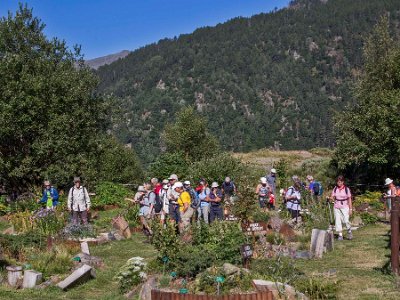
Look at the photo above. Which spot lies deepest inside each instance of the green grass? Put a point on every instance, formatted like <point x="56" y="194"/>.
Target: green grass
<point x="360" y="265"/>
<point x="114" y="254"/>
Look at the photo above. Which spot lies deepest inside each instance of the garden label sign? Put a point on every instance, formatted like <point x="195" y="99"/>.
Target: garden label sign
<point x="247" y="254"/>
<point x="257" y="228"/>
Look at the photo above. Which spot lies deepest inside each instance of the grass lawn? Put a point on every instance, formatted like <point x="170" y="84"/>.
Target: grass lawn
<point x="114" y="254"/>
<point x="360" y="265"/>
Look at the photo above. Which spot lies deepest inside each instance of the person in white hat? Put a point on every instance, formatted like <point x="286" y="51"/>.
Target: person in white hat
<point x="343" y="207"/>
<point x="391" y="193"/>
<point x="78" y="202"/>
<point x="215" y="198"/>
<point x="271" y="180"/>
<point x="263" y="192"/>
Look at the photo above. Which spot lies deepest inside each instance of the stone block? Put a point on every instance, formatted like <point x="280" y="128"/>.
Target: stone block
<point x="289" y="293"/>
<point x="31" y="279"/>
<point x="79" y="276"/>
<point x="318" y="242"/>
<point x="85" y="248"/>
<point x="14" y="275"/>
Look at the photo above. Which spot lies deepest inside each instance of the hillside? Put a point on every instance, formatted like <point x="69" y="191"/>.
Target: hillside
<point x="273" y="80"/>
<point x="97" y="62"/>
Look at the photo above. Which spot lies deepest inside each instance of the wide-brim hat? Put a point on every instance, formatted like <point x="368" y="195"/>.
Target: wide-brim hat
<point x="77" y="179"/>
<point x="141" y="189"/>
<point x="273" y="171"/>
<point x="177" y="185"/>
<point x="173" y="177"/>
<point x="388" y="181"/>
<point x="214" y="185"/>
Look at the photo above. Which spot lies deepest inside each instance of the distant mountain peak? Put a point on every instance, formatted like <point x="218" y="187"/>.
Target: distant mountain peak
<point x="96" y="63"/>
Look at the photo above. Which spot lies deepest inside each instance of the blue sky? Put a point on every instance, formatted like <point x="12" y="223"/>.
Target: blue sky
<point x="103" y="27"/>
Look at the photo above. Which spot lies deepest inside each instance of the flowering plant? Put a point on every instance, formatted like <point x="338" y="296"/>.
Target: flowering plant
<point x="131" y="274"/>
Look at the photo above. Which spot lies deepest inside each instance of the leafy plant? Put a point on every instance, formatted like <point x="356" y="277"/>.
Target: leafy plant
<point x="317" y="288"/>
<point x="15" y="245"/>
<point x="277" y="269"/>
<point x="108" y="193"/>
<point x="368" y="218"/>
<point x="56" y="261"/>
<point x="131" y="274"/>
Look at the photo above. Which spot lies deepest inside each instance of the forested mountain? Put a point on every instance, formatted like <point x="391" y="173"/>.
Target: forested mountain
<point x="275" y="79"/>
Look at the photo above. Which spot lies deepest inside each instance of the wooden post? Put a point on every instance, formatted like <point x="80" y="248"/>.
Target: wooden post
<point x="394" y="239"/>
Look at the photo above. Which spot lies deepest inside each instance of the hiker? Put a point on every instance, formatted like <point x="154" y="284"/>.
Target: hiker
<point x="184" y="201"/>
<point x="165" y="203"/>
<point x="204" y="208"/>
<point x="391" y="193"/>
<point x="157" y="185"/>
<point x="293" y="198"/>
<point x="263" y="191"/>
<point x="215" y="198"/>
<point x="78" y="202"/>
<point x="343" y="207"/>
<point x="194" y="197"/>
<point x="228" y="189"/>
<point x="315" y="188"/>
<point x="172" y="196"/>
<point x="50" y="195"/>
<point x="146" y="207"/>
<point x="271" y="180"/>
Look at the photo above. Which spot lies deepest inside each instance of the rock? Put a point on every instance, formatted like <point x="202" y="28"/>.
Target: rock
<point x="85" y="248"/>
<point x="14" y="275"/>
<point x="31" y="279"/>
<point x="9" y="230"/>
<point x="93" y="261"/>
<point x="275" y="223"/>
<point x="287" y="232"/>
<point x="381" y="215"/>
<point x="330" y="239"/>
<point x="357" y="221"/>
<point x="362" y="207"/>
<point x="318" y="241"/>
<point x="122" y="226"/>
<point x="145" y="292"/>
<point x="53" y="280"/>
<point x="118" y="237"/>
<point x="80" y="275"/>
<point x="279" y="290"/>
<point x="230" y="269"/>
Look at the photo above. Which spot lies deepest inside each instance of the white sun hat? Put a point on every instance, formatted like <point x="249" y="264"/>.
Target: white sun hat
<point x="388" y="181"/>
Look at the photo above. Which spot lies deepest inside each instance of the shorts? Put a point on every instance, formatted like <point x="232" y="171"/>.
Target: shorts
<point x="262" y="201"/>
<point x="144" y="211"/>
<point x="174" y="213"/>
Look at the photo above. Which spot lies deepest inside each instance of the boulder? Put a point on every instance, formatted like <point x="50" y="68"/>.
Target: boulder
<point x="79" y="276"/>
<point x="279" y="290"/>
<point x="275" y="223"/>
<point x="53" y="280"/>
<point x="287" y="232"/>
<point x="357" y="221"/>
<point x="230" y="269"/>
<point x="9" y="230"/>
<point x="145" y="292"/>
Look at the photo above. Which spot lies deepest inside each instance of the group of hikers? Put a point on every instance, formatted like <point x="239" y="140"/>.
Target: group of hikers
<point x="182" y="203"/>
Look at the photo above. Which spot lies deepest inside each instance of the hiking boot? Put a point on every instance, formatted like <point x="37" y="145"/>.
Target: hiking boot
<point x="349" y="235"/>
<point x="340" y="238"/>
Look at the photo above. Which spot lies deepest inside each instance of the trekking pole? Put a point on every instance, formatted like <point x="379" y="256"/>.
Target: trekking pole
<point x="330" y="211"/>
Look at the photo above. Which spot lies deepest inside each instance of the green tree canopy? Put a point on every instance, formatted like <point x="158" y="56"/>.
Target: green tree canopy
<point x="189" y="134"/>
<point x="50" y="118"/>
<point x="368" y="133"/>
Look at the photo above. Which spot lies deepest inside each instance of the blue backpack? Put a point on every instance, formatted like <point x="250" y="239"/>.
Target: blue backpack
<point x="317" y="188"/>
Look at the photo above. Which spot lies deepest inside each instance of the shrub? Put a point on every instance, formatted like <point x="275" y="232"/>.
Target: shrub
<point x="191" y="260"/>
<point x="368" y="218"/>
<point x="15" y="245"/>
<point x="56" y="261"/>
<point x="317" y="288"/>
<point x="108" y="193"/>
<point x="170" y="163"/>
<point x="278" y="269"/>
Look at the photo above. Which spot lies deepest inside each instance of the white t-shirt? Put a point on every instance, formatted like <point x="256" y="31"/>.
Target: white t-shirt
<point x="293" y="204"/>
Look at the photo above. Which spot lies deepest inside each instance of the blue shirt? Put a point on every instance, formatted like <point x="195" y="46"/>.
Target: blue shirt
<point x="53" y="194"/>
<point x="202" y="197"/>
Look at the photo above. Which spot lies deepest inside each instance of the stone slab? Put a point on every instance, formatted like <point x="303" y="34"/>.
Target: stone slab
<point x="85" y="248"/>
<point x="80" y="275"/>
<point x="31" y="279"/>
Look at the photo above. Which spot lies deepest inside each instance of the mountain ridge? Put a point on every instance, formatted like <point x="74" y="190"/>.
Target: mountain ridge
<point x="272" y="80"/>
<point x="97" y="62"/>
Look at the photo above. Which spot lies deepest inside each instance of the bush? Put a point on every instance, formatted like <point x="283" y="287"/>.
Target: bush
<point x="56" y="261"/>
<point x="368" y="218"/>
<point x="15" y="245"/>
<point x="170" y="163"/>
<point x="317" y="288"/>
<point x="192" y="260"/>
<point x="206" y="282"/>
<point x="108" y="193"/>
<point x="278" y="269"/>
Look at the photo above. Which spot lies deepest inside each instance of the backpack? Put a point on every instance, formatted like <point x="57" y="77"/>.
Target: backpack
<point x="194" y="199"/>
<point x="158" y="205"/>
<point x="228" y="188"/>
<point x="317" y="188"/>
<point x="346" y="189"/>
